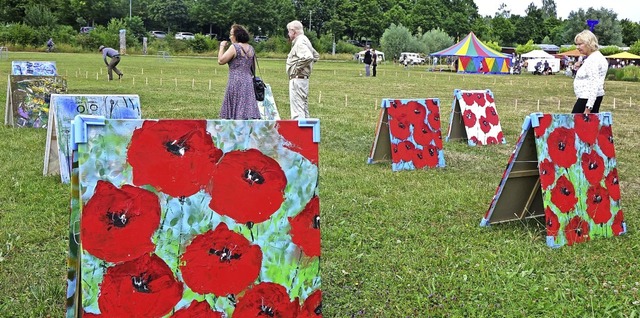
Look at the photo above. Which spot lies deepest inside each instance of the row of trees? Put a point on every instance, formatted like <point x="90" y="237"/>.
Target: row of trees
<point x="339" y="19"/>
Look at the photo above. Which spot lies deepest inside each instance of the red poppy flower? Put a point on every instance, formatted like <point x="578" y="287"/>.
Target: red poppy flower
<point x="547" y="173"/>
<point x="485" y="126"/>
<point x="117" y="224"/>
<point x="144" y="287"/>
<point x="312" y="306"/>
<point x="593" y="167"/>
<point x="399" y="127"/>
<point x="426" y="157"/>
<point x="299" y="140"/>
<point x="552" y="223"/>
<point x="492" y="115"/>
<point x="434" y="120"/>
<point x="480" y="99"/>
<point x="432" y="106"/>
<point x="174" y="156"/>
<point x="618" y="224"/>
<point x="469" y="118"/>
<point x="611" y="182"/>
<point x="563" y="195"/>
<point x="468" y="98"/>
<point x="220" y="262"/>
<point x="598" y="204"/>
<point x="586" y="126"/>
<point x="475" y="140"/>
<point x="416" y="112"/>
<point x="398" y="109"/>
<point x="198" y="310"/>
<point x="395" y="153"/>
<point x="500" y="137"/>
<point x="423" y="135"/>
<point x="562" y="148"/>
<point x="489" y="98"/>
<point x="577" y="230"/>
<point x="305" y="228"/>
<point x="243" y="174"/>
<point x="405" y="151"/>
<point x="438" y="140"/>
<point x="90" y="315"/>
<point x="268" y="300"/>
<point x="492" y="141"/>
<point x="543" y="123"/>
<point x="605" y="142"/>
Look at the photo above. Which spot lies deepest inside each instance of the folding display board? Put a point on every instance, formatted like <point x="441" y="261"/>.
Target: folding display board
<point x="37" y="68"/>
<point x="28" y="99"/>
<point x="62" y="110"/>
<point x="474" y="118"/>
<point x="268" y="109"/>
<point x="563" y="168"/>
<point x="408" y="133"/>
<point x="184" y="218"/>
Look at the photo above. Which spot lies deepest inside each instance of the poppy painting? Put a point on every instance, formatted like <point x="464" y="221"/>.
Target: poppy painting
<point x="474" y="118"/>
<point x="211" y="218"/>
<point x="28" y="99"/>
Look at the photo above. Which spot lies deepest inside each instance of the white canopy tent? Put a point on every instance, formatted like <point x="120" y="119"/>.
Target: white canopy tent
<point x="537" y="54"/>
<point x="360" y="56"/>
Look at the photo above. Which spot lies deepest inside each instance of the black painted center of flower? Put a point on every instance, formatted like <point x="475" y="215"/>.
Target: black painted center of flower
<point x="486" y="123"/>
<point x="597" y="198"/>
<point x="579" y="231"/>
<point x="468" y="116"/>
<point x="267" y="311"/>
<point x="615" y="180"/>
<point x="562" y="146"/>
<point x="141" y="283"/>
<point x="117" y="219"/>
<point x="318" y="310"/>
<point x="226" y="255"/>
<point x="593" y="166"/>
<point x="417" y="111"/>
<point x="252" y="176"/>
<point x="565" y="191"/>
<point x="586" y="118"/>
<point x="401" y="125"/>
<point x="610" y="138"/>
<point x="549" y="223"/>
<point x="316" y="222"/>
<point x="424" y="130"/>
<point x="432" y="152"/>
<point x="493" y="112"/>
<point x="177" y="147"/>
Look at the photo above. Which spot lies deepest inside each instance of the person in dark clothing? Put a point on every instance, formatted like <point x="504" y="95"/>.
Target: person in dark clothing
<point x="374" y="61"/>
<point x="50" y="45"/>
<point x="111" y="65"/>
<point x="367" y="62"/>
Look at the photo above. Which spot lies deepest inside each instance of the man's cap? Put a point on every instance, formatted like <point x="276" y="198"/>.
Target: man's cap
<point x="101" y="47"/>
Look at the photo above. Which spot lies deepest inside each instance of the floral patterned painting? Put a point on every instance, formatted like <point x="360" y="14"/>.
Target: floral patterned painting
<point x="37" y="68"/>
<point x="578" y="176"/>
<point x="268" y="109"/>
<point x="190" y="218"/>
<point x="416" y="138"/>
<point x="30" y="96"/>
<point x="477" y="112"/>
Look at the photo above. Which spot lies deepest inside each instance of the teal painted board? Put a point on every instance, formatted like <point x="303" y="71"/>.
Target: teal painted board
<point x="37" y="68"/>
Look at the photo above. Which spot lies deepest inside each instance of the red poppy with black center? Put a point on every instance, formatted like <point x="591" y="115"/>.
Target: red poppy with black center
<point x="593" y="167"/>
<point x="491" y="115"/>
<point x="248" y="186"/>
<point x="397" y="108"/>
<point x="117" y="224"/>
<point x="475" y="140"/>
<point x="543" y="123"/>
<point x="469" y="118"/>
<point x="562" y="148"/>
<point x="305" y="228"/>
<point x="423" y="135"/>
<point x="144" y="287"/>
<point x="468" y="98"/>
<point x="266" y="300"/>
<point x="563" y="195"/>
<point x="500" y="137"/>
<point x="416" y="112"/>
<point x="576" y="231"/>
<point x="605" y="142"/>
<point x="396" y="157"/>
<point x="598" y="204"/>
<point x="480" y="99"/>
<point x="485" y="126"/>
<point x="312" y="306"/>
<point x="434" y="120"/>
<point x="551" y="221"/>
<point x="174" y="156"/>
<point x="432" y="106"/>
<point x="489" y="98"/>
<point x="220" y="262"/>
<point x="405" y="151"/>
<point x="197" y="310"/>
<point x="612" y="184"/>
<point x="547" y="173"/>
<point x="618" y="224"/>
<point x="299" y="139"/>
<point x="586" y="126"/>
<point x="492" y="141"/>
<point x="425" y="157"/>
<point x="399" y="127"/>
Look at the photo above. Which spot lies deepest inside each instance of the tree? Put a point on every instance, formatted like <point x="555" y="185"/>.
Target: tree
<point x="549" y="9"/>
<point x="206" y="13"/>
<point x="170" y="13"/>
<point x="436" y="40"/>
<point x="526" y="48"/>
<point x="368" y="20"/>
<point x="608" y="29"/>
<point x="396" y="39"/>
<point x="502" y="30"/>
<point x="39" y="16"/>
<point x="630" y="31"/>
<point x="461" y="17"/>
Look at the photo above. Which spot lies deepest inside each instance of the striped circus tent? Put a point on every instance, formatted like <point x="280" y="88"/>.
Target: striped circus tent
<point x="475" y="57"/>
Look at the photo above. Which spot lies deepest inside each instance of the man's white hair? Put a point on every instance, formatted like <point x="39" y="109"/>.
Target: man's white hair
<point x="295" y="26"/>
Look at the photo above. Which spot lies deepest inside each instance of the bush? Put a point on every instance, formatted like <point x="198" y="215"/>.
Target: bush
<point x="627" y="73"/>
<point x="199" y="44"/>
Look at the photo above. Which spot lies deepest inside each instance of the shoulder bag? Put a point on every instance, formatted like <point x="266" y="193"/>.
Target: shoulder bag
<point x="258" y="84"/>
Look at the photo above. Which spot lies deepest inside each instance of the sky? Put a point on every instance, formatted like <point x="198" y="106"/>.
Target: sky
<point x="624" y="9"/>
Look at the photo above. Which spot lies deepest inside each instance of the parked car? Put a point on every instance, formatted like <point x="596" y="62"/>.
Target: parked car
<point x="212" y="36"/>
<point x="411" y="58"/>
<point x="158" y="34"/>
<point x="86" y="29"/>
<point x="185" y="36"/>
<point x="260" y="38"/>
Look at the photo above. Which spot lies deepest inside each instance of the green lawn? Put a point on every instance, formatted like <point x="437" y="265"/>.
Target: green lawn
<point x="395" y="244"/>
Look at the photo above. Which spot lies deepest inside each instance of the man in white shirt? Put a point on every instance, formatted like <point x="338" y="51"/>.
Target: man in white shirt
<point x="299" y="66"/>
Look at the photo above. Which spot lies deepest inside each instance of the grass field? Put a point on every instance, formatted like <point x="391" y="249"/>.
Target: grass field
<point x="395" y="244"/>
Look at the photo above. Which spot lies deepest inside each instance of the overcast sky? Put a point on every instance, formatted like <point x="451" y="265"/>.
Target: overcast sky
<point x="625" y="9"/>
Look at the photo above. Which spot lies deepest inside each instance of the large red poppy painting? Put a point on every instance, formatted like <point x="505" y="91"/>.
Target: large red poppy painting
<point x="474" y="117"/>
<point x="414" y="135"/>
<point x="184" y="218"/>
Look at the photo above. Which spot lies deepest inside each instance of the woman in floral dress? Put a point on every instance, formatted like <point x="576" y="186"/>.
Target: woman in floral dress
<point x="239" y="98"/>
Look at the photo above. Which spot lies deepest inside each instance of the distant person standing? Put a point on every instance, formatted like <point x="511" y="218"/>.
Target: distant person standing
<point x="299" y="66"/>
<point x="374" y="61"/>
<point x="50" y="45"/>
<point x="367" y="62"/>
<point x="113" y="63"/>
<point x="588" y="83"/>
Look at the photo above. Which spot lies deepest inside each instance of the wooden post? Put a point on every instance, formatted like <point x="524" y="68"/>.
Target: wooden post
<point x="320" y="97"/>
<point x="146" y="81"/>
<point x="558" y="104"/>
<point x="375" y="104"/>
<point x="193" y="83"/>
<point x="97" y="76"/>
<point x="630" y="101"/>
<point x="209" y="84"/>
<point x="176" y="80"/>
<point x="538" y="105"/>
<point x="86" y="75"/>
<point x="134" y="81"/>
<point x="142" y="71"/>
<point x="614" y="103"/>
<point x="346" y="100"/>
<point x="516" y="104"/>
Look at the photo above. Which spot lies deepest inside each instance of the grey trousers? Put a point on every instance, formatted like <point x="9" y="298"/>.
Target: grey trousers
<point x="112" y="67"/>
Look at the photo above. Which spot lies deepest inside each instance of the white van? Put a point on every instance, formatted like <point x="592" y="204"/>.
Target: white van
<point x="410" y="58"/>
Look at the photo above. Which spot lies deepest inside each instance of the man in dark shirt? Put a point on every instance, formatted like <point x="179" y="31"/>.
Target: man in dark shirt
<point x="115" y="59"/>
<point x="367" y="62"/>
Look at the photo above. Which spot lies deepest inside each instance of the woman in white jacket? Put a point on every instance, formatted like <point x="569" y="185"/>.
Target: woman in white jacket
<point x="588" y="84"/>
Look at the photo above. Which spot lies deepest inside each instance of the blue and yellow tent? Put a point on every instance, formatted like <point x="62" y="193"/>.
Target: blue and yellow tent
<point x="475" y="57"/>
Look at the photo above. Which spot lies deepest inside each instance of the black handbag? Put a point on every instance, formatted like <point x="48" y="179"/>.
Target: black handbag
<point x="258" y="85"/>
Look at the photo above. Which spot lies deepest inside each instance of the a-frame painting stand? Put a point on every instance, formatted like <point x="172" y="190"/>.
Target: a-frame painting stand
<point x="563" y="168"/>
<point x="474" y="118"/>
